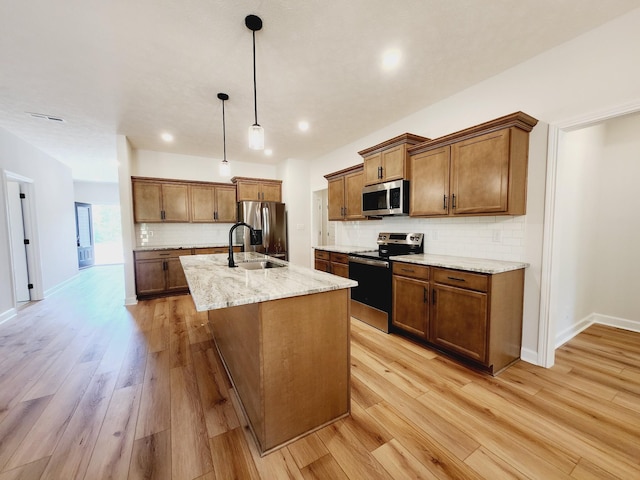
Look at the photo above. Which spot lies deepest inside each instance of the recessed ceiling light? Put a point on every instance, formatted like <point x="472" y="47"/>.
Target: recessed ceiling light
<point x="167" y="137"/>
<point x="268" y="152"/>
<point x="391" y="59"/>
<point x="303" y="125"/>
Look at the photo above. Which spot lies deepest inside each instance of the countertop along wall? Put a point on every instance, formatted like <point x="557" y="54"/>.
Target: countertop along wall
<point x="571" y="80"/>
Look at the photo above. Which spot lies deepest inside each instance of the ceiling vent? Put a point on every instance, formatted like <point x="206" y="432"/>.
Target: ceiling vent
<point x="46" y="117"/>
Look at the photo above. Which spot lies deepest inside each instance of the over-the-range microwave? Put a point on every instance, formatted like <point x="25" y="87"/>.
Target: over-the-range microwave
<point x="389" y="198"/>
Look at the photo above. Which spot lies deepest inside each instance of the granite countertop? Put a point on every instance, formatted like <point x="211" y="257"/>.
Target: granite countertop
<point x="468" y="264"/>
<point x="344" y="249"/>
<point x="182" y="247"/>
<point x="214" y="285"/>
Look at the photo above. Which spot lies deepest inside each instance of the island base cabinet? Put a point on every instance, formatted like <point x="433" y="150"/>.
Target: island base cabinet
<point x="288" y="361"/>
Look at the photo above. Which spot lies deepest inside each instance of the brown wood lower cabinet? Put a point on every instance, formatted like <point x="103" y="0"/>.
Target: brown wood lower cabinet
<point x="159" y="272"/>
<point x="332" y="262"/>
<point x="475" y="316"/>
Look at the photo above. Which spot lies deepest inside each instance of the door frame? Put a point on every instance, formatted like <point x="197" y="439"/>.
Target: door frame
<point x="34" y="265"/>
<point x="546" y="324"/>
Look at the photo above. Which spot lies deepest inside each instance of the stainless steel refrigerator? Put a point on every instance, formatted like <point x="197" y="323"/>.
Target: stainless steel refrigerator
<point x="271" y="218"/>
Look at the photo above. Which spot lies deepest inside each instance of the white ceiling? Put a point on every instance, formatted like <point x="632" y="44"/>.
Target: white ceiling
<point x="143" y="67"/>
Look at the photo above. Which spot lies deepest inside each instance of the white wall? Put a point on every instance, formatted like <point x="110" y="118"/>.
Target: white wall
<point x="147" y="163"/>
<point x="568" y="81"/>
<point x="297" y="197"/>
<point x="96" y="193"/>
<point x="575" y="249"/>
<point x="618" y="227"/>
<point x="53" y="198"/>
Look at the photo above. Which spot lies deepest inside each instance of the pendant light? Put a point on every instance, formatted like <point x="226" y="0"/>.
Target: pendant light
<point x="225" y="168"/>
<point x="256" y="132"/>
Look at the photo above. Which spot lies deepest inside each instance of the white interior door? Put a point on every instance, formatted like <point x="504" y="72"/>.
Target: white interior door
<point x="18" y="250"/>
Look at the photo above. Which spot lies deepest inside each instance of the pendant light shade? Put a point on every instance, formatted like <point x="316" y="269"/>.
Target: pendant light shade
<point x="225" y="168"/>
<point x="256" y="132"/>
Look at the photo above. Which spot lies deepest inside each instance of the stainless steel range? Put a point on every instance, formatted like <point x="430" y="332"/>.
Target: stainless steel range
<point x="371" y="299"/>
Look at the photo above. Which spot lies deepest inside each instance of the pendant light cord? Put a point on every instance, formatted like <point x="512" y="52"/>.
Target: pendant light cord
<point x="255" y="95"/>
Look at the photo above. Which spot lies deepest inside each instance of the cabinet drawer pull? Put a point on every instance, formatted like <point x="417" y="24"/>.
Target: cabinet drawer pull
<point x="411" y="270"/>
<point x="164" y="254"/>
<point x="457" y="279"/>
<point x="444" y="202"/>
<point x="453" y="201"/>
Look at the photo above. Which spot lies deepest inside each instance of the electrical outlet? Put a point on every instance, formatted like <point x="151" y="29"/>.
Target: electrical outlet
<point x="300" y="226"/>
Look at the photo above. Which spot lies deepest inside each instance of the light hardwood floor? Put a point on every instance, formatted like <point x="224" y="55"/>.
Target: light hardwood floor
<point x="90" y="389"/>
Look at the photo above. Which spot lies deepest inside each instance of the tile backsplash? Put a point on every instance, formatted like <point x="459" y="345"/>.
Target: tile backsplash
<point x="495" y="237"/>
<point x="173" y="234"/>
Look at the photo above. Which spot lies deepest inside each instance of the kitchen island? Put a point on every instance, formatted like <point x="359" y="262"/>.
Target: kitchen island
<point x="283" y="335"/>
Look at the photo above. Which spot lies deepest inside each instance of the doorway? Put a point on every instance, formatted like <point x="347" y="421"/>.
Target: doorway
<point x="84" y="235"/>
<point x="324" y="231"/>
<point x="584" y="277"/>
<point x="19" y="241"/>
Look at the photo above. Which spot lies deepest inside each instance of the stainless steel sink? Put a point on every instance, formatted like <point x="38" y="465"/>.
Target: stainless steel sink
<point x="259" y="265"/>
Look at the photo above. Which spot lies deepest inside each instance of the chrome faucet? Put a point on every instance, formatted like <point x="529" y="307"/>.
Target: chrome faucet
<point x="256" y="239"/>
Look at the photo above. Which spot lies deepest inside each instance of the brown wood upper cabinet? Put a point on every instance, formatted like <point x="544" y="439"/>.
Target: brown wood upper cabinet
<point x="388" y="160"/>
<point x="156" y="200"/>
<point x="478" y="171"/>
<point x="258" y="189"/>
<point x="345" y="193"/>
<point x="213" y="203"/>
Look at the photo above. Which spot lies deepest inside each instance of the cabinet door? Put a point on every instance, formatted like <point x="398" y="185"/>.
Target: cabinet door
<point x="340" y="269"/>
<point x="147" y="202"/>
<point x="248" y="191"/>
<point x="322" y="265"/>
<point x="411" y="305"/>
<point x="353" y="184"/>
<point x="393" y="164"/>
<point x="480" y="174"/>
<point x="226" y="206"/>
<point x="336" y="198"/>
<point x="150" y="277"/>
<point x="372" y="166"/>
<point x="271" y="192"/>
<point x="203" y="204"/>
<point x="429" y="187"/>
<point x="459" y="321"/>
<point x="175" y="203"/>
<point x="176" y="279"/>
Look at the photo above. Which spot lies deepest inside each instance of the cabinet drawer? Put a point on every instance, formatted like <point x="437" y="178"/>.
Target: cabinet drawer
<point x="411" y="270"/>
<point x="323" y="255"/>
<point x="456" y="278"/>
<point x="340" y="258"/>
<point x="213" y="250"/>
<point x="160" y="254"/>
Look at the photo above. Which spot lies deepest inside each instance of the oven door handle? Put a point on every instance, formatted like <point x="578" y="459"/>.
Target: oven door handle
<point x="368" y="261"/>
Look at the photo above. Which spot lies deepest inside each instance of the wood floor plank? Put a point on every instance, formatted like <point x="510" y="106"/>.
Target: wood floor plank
<point x="17" y="424"/>
<point x="489" y="465"/>
<point x="133" y="366"/>
<point x="218" y="410"/>
<point x="231" y="456"/>
<point x="190" y="453"/>
<point x="399" y="462"/>
<point x="324" y="468"/>
<point x="72" y="454"/>
<point x="151" y="457"/>
<point x="155" y="404"/>
<point x="438" y="460"/>
<point x="30" y="471"/>
<point x="307" y="450"/>
<point x="178" y="335"/>
<point x="112" y="452"/>
<point x="43" y="438"/>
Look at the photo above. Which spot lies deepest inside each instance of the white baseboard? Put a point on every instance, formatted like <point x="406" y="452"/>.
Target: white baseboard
<point x="4" y="316"/>
<point x="131" y="300"/>
<point x="573" y="330"/>
<point x="529" y="356"/>
<point x="625" y="324"/>
<point x="59" y="286"/>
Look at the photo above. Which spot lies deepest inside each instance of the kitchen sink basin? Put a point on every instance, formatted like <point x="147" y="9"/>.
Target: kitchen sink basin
<point x="259" y="265"/>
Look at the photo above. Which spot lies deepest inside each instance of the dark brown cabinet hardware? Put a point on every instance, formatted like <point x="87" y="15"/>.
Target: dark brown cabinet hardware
<point x="433" y="297"/>
<point x="453" y="200"/>
<point x="457" y="279"/>
<point x="425" y="296"/>
<point x="444" y="202"/>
